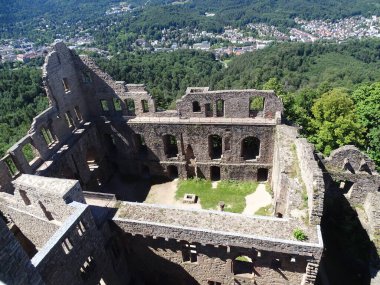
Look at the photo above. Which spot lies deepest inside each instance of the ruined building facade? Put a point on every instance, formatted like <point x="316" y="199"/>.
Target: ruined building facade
<point x="96" y="127"/>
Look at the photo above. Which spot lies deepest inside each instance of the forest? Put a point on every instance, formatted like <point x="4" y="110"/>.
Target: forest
<point x="41" y="21"/>
<point x="332" y="91"/>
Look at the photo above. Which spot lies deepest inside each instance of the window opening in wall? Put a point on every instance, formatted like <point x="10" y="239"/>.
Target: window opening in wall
<point x="65" y="83"/>
<point x="130" y="103"/>
<point x="78" y="114"/>
<point x="215" y="173"/>
<point x="86" y="77"/>
<point x="80" y="228"/>
<point x="141" y="145"/>
<point x="262" y="174"/>
<point x="87" y="268"/>
<point x="196" y="107"/>
<point x="250" y="148"/>
<point x="365" y="168"/>
<point x="92" y="159"/>
<point x="189" y="253"/>
<point x="345" y="186"/>
<point x="243" y="265"/>
<point x="30" y="153"/>
<point x="190" y="162"/>
<point x="69" y="119"/>
<point x="24" y="197"/>
<point x="67" y="245"/>
<point x="170" y="146"/>
<point x="47" y="213"/>
<point x="104" y="105"/>
<point x="48" y="136"/>
<point x="208" y="110"/>
<point x="172" y="171"/>
<point x="256" y="105"/>
<point x="11" y="166"/>
<point x="145" y="106"/>
<point x="220" y="108"/>
<point x="227" y="143"/>
<point x="117" y="104"/>
<point x="215" y="146"/>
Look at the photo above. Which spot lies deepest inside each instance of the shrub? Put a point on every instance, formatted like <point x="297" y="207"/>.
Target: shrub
<point x="299" y="235"/>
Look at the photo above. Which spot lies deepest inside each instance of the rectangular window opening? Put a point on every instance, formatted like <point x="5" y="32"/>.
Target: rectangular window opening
<point x="69" y="119"/>
<point x="256" y="105"/>
<point x="67" y="246"/>
<point x="48" y="136"/>
<point x="145" y="106"/>
<point x="117" y="104"/>
<point x="11" y="166"/>
<point x="104" y="105"/>
<point x="30" y="152"/>
<point x="78" y="114"/>
<point x="189" y="253"/>
<point x="66" y="86"/>
<point x="87" y="267"/>
<point x="130" y="103"/>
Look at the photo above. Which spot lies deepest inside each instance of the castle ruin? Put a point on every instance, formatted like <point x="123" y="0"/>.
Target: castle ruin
<point x="61" y="224"/>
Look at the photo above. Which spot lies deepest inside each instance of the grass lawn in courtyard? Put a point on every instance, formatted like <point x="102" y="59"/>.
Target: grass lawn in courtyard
<point x="232" y="193"/>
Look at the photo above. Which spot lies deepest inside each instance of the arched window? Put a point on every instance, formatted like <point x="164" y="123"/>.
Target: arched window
<point x="196" y="106"/>
<point x="250" y="148"/>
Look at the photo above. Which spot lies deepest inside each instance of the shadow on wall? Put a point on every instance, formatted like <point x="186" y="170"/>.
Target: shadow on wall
<point x="150" y="269"/>
<point x="349" y="251"/>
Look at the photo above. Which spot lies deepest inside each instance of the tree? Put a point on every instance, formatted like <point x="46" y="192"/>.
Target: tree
<point x="367" y="102"/>
<point x="334" y="122"/>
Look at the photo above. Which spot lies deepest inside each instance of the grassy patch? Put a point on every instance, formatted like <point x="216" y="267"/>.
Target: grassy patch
<point x="265" y="211"/>
<point x="232" y="193"/>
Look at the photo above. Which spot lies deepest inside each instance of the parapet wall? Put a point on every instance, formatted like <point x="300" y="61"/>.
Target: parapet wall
<point x="312" y="177"/>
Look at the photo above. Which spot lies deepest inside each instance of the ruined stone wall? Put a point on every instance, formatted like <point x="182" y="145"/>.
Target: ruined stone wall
<point x="15" y="265"/>
<point x="236" y="103"/>
<point x="312" y="178"/>
<point x="349" y="167"/>
<point x="82" y="158"/>
<point x="188" y="136"/>
<point x="39" y="205"/>
<point x="75" y="267"/>
<point x="160" y="260"/>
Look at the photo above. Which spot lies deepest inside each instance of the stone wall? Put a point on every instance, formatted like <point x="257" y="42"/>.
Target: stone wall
<point x="312" y="177"/>
<point x="236" y="103"/>
<point x="354" y="172"/>
<point x="84" y="260"/>
<point x="160" y="261"/>
<point x="15" y="265"/>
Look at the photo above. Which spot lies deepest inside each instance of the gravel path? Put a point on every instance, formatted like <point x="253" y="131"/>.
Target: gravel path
<point x="260" y="198"/>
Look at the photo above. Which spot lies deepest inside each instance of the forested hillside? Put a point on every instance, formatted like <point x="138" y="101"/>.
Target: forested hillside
<point x="44" y="20"/>
<point x="21" y="99"/>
